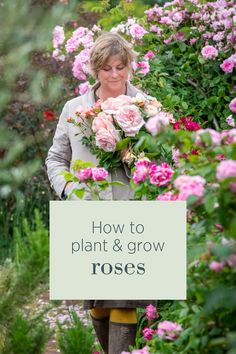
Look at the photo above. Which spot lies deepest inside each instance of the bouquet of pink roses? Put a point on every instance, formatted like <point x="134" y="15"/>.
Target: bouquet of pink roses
<point x="114" y="128"/>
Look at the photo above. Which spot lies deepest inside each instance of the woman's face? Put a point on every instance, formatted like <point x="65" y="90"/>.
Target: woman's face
<point x="114" y="74"/>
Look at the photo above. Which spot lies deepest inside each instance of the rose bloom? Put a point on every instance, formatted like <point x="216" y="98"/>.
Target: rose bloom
<point x="155" y="124"/>
<point x="129" y="119"/>
<point x="137" y="31"/>
<point x="190" y="185"/>
<point x="168" y="330"/>
<point x="99" y="173"/>
<point x="84" y="174"/>
<point x="111" y="105"/>
<point x="229" y="136"/>
<point x="83" y="88"/>
<point x="216" y="266"/>
<point x="168" y="196"/>
<point x="227" y="66"/>
<point x="149" y="55"/>
<point x="209" y="52"/>
<point x="227" y="169"/>
<point x="143" y="67"/>
<point x="106" y="139"/>
<point x="160" y="175"/>
<point x="215" y="136"/>
<point x="141" y="172"/>
<point x="102" y="120"/>
<point x="148" y="333"/>
<point x="232" y="105"/>
<point x="58" y="36"/>
<point x="151" y="312"/>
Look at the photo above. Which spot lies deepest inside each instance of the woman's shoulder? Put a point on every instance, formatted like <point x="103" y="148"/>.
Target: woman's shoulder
<point x="86" y="100"/>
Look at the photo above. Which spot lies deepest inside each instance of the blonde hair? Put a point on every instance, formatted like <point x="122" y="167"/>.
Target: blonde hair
<point x="107" y="45"/>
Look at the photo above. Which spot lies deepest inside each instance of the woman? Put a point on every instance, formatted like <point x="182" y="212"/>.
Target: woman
<point x="115" y="322"/>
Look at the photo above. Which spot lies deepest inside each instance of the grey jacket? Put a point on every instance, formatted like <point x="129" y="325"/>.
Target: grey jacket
<point x="67" y="147"/>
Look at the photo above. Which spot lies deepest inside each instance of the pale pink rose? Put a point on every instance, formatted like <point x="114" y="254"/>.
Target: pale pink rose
<point x="232" y="105"/>
<point x="58" y="36"/>
<point x="137" y="31"/>
<point x="151" y="312"/>
<point x="230" y="121"/>
<point x="175" y="156"/>
<point x="148" y="333"/>
<point x="149" y="55"/>
<point x="145" y="350"/>
<point x="155" y="124"/>
<point x="168" y="196"/>
<point x="229" y="136"/>
<point x="160" y="175"/>
<point x="209" y="52"/>
<point x="216" y="266"/>
<point x="83" y="88"/>
<point x="227" y="169"/>
<point x="72" y="44"/>
<point x="227" y="66"/>
<point x="111" y="105"/>
<point x="233" y="58"/>
<point x="102" y="120"/>
<point x="168" y="330"/>
<point x="56" y="54"/>
<point x="129" y="119"/>
<point x="190" y="185"/>
<point x="107" y="139"/>
<point x="99" y="173"/>
<point x="215" y="136"/>
<point x="84" y="174"/>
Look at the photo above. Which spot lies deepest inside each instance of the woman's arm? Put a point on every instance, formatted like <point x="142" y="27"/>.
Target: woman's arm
<point x="59" y="155"/>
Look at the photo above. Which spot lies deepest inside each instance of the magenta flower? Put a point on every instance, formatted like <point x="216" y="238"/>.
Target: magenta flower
<point x="141" y="171"/>
<point x="148" y="333"/>
<point x="209" y="52"/>
<point x="216" y="266"/>
<point x="99" y="174"/>
<point x="84" y="174"/>
<point x="168" y="330"/>
<point x="232" y="105"/>
<point x="160" y="175"/>
<point x="227" y="66"/>
<point x="149" y="55"/>
<point x="151" y="312"/>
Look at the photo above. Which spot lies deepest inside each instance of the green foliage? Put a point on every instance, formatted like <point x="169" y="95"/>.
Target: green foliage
<point x="75" y="338"/>
<point x="26" y="336"/>
<point x="29" y="268"/>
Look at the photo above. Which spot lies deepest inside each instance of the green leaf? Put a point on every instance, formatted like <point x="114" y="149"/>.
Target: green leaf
<point x="69" y="177"/>
<point x="122" y="144"/>
<point x="117" y="183"/>
<point x="79" y="192"/>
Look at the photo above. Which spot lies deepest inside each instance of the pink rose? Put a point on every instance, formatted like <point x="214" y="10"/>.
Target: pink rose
<point x="111" y="105"/>
<point x="232" y="105"/>
<point x="102" y="120"/>
<point x="84" y="174"/>
<point x="137" y="31"/>
<point x="58" y="36"/>
<point x="216" y="266"/>
<point x="106" y="139"/>
<point x="209" y="52"/>
<point x="140" y="173"/>
<point x="155" y="124"/>
<point x="160" y="175"/>
<point x="229" y="136"/>
<point x="227" y="66"/>
<point x="168" y="196"/>
<point x="168" y="330"/>
<point x="83" y="88"/>
<point x="215" y="136"/>
<point x="151" y="312"/>
<point x="190" y="185"/>
<point x="148" y="333"/>
<point x="149" y="55"/>
<point x="227" y="169"/>
<point x="99" y="173"/>
<point x="129" y="119"/>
